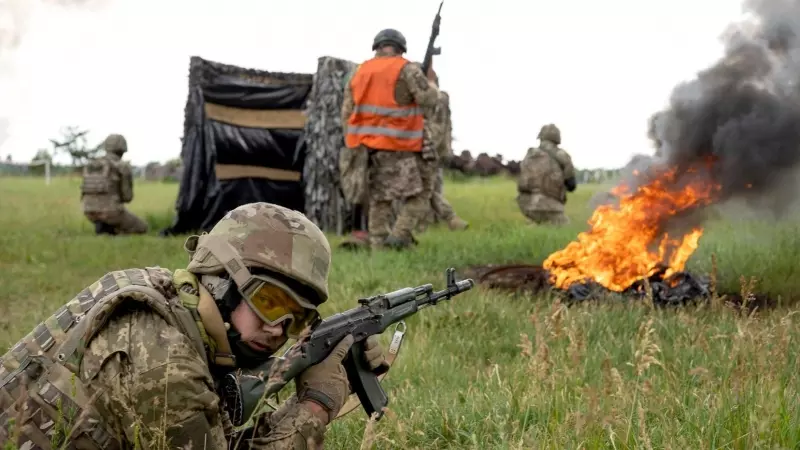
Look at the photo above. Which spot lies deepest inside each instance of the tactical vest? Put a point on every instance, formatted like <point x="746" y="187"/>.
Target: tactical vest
<point x="378" y="121"/>
<point x="100" y="178"/>
<point x="543" y="174"/>
<point x="42" y="393"/>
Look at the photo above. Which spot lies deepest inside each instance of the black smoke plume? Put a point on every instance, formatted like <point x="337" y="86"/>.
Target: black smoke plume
<point x="740" y="118"/>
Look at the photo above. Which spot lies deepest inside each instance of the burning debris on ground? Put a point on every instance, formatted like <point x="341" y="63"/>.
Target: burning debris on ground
<point x="636" y="247"/>
<point x="729" y="134"/>
<point x="678" y="289"/>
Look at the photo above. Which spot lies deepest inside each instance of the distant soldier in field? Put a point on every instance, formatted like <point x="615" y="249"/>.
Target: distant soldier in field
<point x="546" y="174"/>
<point x="144" y="358"/>
<point x="439" y="127"/>
<point x="382" y="114"/>
<point x="107" y="186"/>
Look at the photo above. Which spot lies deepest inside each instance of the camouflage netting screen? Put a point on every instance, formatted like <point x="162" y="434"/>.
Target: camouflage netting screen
<point x="243" y="142"/>
<point x="324" y="202"/>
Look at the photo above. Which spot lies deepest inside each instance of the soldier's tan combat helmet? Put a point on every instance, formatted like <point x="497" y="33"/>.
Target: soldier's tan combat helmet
<point x="115" y="143"/>
<point x="551" y="133"/>
<point x="265" y="236"/>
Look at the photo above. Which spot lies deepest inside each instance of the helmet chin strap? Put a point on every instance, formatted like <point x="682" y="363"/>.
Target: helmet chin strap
<point x="227" y="297"/>
<point x="246" y="356"/>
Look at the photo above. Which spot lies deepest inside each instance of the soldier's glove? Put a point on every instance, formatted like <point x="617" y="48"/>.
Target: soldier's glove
<point x="429" y="154"/>
<point x="570" y="184"/>
<point x="326" y="383"/>
<point x="375" y="356"/>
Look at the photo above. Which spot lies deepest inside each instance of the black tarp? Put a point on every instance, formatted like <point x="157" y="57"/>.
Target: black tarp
<point x="203" y="199"/>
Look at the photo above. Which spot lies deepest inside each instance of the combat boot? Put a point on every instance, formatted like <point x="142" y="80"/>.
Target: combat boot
<point x="398" y="243"/>
<point x="104" y="228"/>
<point x="456" y="223"/>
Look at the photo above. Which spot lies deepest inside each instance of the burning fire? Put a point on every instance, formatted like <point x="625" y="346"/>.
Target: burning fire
<point x="628" y="242"/>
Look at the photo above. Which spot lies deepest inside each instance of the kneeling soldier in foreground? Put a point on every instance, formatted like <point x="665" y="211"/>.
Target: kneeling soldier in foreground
<point x="137" y="358"/>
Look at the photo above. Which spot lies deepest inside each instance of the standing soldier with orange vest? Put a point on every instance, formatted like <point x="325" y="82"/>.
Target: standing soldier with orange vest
<point x="382" y="114"/>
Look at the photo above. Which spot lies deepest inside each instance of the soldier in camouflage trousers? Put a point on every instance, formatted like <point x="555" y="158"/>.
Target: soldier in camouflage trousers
<point x="107" y="186"/>
<point x="546" y="174"/>
<point x="382" y="115"/>
<point x="439" y="128"/>
<point x="138" y="358"/>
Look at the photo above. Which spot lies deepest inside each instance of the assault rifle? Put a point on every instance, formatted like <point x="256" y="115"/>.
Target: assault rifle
<point x="431" y="51"/>
<point x="373" y="316"/>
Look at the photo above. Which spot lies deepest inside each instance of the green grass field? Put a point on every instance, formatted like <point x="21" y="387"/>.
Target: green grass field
<point x="491" y="370"/>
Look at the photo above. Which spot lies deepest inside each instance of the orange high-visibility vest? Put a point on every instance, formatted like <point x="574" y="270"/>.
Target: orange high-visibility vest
<point x="377" y="120"/>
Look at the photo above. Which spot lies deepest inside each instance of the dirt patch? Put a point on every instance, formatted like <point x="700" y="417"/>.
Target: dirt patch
<point x="515" y="277"/>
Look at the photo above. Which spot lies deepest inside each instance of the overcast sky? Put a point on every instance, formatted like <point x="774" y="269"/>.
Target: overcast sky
<point x="597" y="69"/>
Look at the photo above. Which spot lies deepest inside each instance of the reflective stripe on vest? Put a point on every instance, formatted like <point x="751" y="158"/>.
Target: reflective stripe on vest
<point x="388" y="112"/>
<point x="377" y="120"/>
<point x="384" y="131"/>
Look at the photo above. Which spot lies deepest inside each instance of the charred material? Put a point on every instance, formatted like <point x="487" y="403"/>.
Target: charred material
<point x="677" y="289"/>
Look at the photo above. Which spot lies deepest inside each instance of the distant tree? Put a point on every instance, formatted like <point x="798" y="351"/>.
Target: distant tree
<point x="73" y="142"/>
<point x="41" y="155"/>
<point x="174" y="163"/>
<point x="8" y="158"/>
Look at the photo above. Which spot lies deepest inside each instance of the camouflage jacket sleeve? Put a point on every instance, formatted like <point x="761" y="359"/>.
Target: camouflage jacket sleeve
<point x="448" y="133"/>
<point x="565" y="161"/>
<point x="436" y="129"/>
<point x="446" y="147"/>
<point x="348" y="104"/>
<point x="421" y="90"/>
<point x="291" y="427"/>
<point x="154" y="387"/>
<point x="524" y="180"/>
<point x="125" y="182"/>
<point x="431" y="135"/>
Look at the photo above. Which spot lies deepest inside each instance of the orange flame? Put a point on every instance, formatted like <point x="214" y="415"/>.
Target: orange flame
<point x="627" y="243"/>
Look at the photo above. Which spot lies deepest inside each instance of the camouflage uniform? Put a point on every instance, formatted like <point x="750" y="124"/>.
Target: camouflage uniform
<point x="107" y="186"/>
<point x="395" y="175"/>
<point x="134" y="360"/>
<point x="440" y="129"/>
<point x="546" y="174"/>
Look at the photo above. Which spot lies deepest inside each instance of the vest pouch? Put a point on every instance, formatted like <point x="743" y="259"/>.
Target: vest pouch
<point x="32" y="429"/>
<point x="96" y="182"/>
<point x="544" y="176"/>
<point x="63" y="410"/>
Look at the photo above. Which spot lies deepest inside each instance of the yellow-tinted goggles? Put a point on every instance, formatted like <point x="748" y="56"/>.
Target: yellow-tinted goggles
<point x="274" y="303"/>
